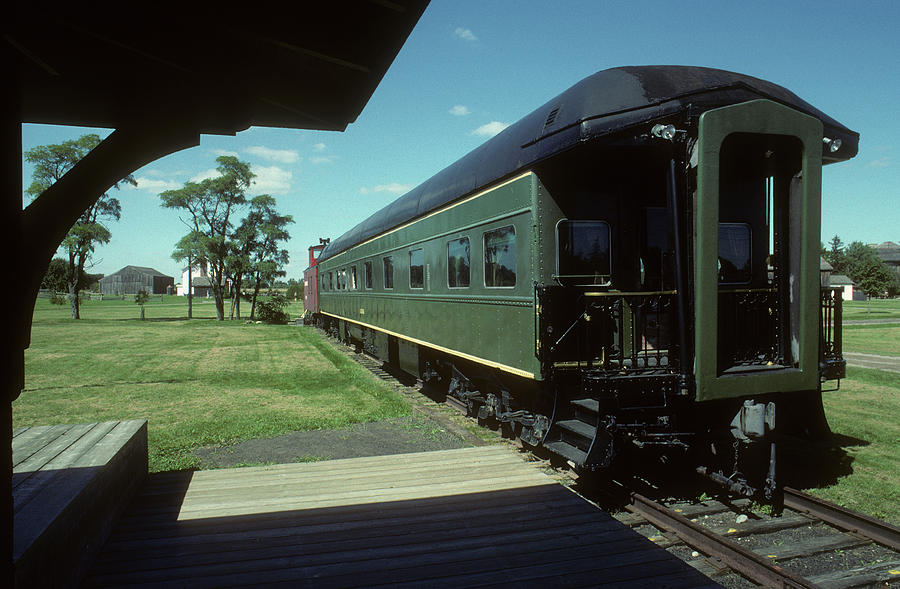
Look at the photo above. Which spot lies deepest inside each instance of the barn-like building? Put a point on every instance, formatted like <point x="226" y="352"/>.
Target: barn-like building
<point x="134" y="279"/>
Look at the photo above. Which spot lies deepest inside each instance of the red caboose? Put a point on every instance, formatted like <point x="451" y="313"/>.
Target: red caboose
<point x="311" y="279"/>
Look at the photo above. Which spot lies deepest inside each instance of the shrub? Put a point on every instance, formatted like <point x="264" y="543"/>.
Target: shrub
<point x="272" y="310"/>
<point x="57" y="298"/>
<point x="141" y="298"/>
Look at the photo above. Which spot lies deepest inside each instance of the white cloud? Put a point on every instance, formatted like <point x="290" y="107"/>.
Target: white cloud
<point x="154" y="186"/>
<point x="282" y="156"/>
<point x="460" y="110"/>
<point x="883" y="162"/>
<point x="268" y="180"/>
<point x="206" y="175"/>
<point x="319" y="147"/>
<point x="393" y="188"/>
<point x="271" y="180"/>
<point x="323" y="159"/>
<point x="490" y="129"/>
<point x="465" y="34"/>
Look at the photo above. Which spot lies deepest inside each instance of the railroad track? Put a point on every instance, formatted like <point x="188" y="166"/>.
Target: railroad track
<point x="813" y="543"/>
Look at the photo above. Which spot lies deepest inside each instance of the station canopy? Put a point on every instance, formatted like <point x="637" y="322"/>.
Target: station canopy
<point x="222" y="67"/>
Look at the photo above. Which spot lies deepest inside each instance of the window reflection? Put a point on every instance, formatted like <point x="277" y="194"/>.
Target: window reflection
<point x="734" y="253"/>
<point x="458" y="262"/>
<point x="500" y="257"/>
<point x="388" y="271"/>
<point x="416" y="268"/>
<point x="584" y="252"/>
<point x="368" y="274"/>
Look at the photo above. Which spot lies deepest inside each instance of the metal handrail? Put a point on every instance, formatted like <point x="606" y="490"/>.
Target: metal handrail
<point x="639" y="328"/>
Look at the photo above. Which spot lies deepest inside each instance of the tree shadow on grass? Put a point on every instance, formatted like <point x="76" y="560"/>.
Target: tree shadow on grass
<point x="167" y="319"/>
<point x="69" y="387"/>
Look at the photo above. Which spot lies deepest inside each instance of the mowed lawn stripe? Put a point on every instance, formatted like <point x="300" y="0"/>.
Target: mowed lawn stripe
<point x="197" y="382"/>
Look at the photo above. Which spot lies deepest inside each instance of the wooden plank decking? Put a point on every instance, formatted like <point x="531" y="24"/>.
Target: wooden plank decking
<point x="456" y="518"/>
<point x="69" y="483"/>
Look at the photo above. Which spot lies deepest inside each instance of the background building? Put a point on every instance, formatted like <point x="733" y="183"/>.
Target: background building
<point x="202" y="285"/>
<point x="889" y="252"/>
<point x="849" y="291"/>
<point x="133" y="279"/>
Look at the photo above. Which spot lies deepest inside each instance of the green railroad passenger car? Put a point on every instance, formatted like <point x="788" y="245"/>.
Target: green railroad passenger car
<point x="632" y="267"/>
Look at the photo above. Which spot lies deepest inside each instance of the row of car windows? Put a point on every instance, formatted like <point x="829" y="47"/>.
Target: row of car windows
<point x="583" y="258"/>
<point x="499" y="265"/>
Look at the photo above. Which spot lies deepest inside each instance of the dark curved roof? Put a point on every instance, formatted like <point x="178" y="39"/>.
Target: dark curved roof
<point x="308" y="65"/>
<point x="603" y="104"/>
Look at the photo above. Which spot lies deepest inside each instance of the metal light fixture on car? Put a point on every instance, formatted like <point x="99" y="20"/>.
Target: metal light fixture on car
<point x="833" y="144"/>
<point x="661" y="131"/>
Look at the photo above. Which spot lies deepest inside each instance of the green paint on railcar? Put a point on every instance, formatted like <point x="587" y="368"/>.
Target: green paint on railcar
<point x="762" y="117"/>
<point x="493" y="325"/>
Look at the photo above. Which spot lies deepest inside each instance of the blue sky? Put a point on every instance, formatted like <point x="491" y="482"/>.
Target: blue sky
<point x="471" y="67"/>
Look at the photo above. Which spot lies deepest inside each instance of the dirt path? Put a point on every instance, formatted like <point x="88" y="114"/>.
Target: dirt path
<point x="889" y="363"/>
<point x="400" y="435"/>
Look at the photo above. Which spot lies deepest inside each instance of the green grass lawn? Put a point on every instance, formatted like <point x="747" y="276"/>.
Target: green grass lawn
<point x="198" y="382"/>
<point x="158" y="307"/>
<point x="864" y="413"/>
<point x="874" y="309"/>
<point x="883" y="340"/>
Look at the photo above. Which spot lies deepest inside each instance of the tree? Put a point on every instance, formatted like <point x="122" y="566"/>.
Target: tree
<point x="267" y="258"/>
<point x="873" y="276"/>
<point x="211" y="204"/>
<point x="55" y="278"/>
<point x="51" y="162"/>
<point x="189" y="249"/>
<point x="141" y="299"/>
<point x="239" y="265"/>
<point x="835" y="255"/>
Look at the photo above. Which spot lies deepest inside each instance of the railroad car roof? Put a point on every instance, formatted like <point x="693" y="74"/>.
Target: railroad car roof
<point x="606" y="103"/>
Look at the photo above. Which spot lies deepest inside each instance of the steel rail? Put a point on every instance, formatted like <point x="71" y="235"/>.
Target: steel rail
<point x="736" y="557"/>
<point x="841" y="517"/>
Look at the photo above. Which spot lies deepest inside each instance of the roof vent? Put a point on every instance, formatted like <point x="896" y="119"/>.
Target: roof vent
<point x="551" y="118"/>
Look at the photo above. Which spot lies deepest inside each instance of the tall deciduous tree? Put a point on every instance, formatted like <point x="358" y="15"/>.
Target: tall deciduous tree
<point x="211" y="204"/>
<point x="242" y="244"/>
<point x="190" y="249"/>
<point x="51" y="162"/>
<point x="268" y="258"/>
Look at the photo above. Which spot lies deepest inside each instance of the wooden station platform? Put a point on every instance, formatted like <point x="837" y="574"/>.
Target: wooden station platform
<point x="456" y="518"/>
<point x="69" y="484"/>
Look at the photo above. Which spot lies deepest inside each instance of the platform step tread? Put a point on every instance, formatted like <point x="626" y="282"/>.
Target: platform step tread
<point x="589" y="405"/>
<point x="567" y="451"/>
<point x="578" y="427"/>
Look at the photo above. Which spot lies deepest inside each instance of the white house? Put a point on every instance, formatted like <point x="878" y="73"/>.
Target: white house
<point x="847" y="286"/>
<point x="201" y="287"/>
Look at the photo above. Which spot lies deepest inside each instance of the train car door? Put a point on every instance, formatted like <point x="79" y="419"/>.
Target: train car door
<point x="756" y="252"/>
